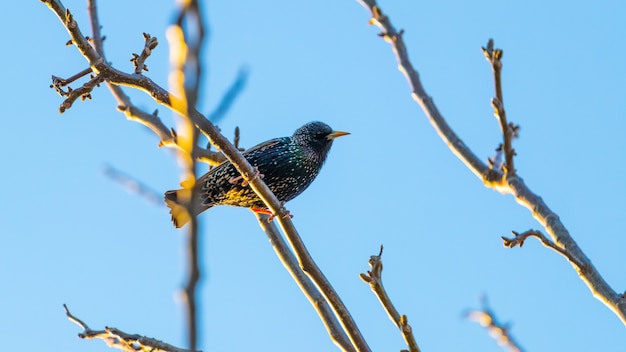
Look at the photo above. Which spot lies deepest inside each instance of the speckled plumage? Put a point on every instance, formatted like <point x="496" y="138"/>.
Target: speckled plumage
<point x="288" y="165"/>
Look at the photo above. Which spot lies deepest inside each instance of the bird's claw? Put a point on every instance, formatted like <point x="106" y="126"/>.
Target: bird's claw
<point x="271" y="215"/>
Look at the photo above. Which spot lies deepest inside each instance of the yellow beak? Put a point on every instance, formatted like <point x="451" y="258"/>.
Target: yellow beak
<point x="337" y="134"/>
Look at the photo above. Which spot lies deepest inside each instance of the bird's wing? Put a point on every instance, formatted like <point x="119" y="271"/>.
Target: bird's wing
<point x="264" y="145"/>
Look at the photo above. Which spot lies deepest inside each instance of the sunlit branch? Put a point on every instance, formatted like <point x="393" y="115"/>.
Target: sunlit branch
<point x="519" y="239"/>
<point x="494" y="57"/>
<point x="166" y="136"/>
<point x="118" y="339"/>
<point x="374" y="278"/>
<point x="290" y="262"/>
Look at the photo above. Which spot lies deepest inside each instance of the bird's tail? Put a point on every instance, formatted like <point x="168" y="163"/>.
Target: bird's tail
<point x="174" y="200"/>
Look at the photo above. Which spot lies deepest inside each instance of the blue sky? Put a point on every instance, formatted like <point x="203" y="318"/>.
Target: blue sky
<point x="72" y="235"/>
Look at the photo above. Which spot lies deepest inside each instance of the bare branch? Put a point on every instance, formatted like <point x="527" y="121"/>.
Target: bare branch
<point x="493" y="178"/>
<point x="418" y="93"/>
<point x="133" y="113"/>
<point x="494" y="56"/>
<point x="499" y="331"/>
<point x="58" y="83"/>
<point x="83" y="93"/>
<point x="519" y="239"/>
<point x="118" y="339"/>
<point x="319" y="303"/>
<point x="374" y="278"/>
<point x="152" y="121"/>
<point x="139" y="60"/>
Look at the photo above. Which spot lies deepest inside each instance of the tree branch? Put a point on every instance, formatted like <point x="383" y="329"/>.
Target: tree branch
<point x="118" y="339"/>
<point x="374" y="278"/>
<point x="317" y="300"/>
<point x="166" y="136"/>
<point x="139" y="61"/>
<point x="519" y="239"/>
<point x="494" y="56"/>
<point x="504" y="183"/>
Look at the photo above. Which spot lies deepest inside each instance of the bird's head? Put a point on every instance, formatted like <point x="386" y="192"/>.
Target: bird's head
<point x="316" y="137"/>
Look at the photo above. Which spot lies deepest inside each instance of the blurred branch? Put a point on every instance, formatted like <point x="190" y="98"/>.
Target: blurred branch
<point x="499" y="331"/>
<point x="185" y="42"/>
<point x="118" y="339"/>
<point x="133" y="185"/>
<point x="374" y="278"/>
<point x="319" y="303"/>
<point x="230" y="96"/>
<point x="504" y="182"/>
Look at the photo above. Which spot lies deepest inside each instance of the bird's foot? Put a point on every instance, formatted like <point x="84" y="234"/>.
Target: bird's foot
<point x="244" y="183"/>
<point x="268" y="212"/>
<point x="272" y="216"/>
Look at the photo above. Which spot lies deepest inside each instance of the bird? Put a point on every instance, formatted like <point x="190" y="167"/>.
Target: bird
<point x="287" y="165"/>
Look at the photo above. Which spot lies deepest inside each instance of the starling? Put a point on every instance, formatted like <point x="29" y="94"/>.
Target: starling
<point x="287" y="165"/>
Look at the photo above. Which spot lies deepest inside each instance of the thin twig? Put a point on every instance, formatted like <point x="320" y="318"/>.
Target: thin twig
<point x="84" y="92"/>
<point x="140" y="60"/>
<point x="519" y="239"/>
<point x="494" y="56"/>
<point x="167" y="137"/>
<point x="494" y="178"/>
<point x="374" y="278"/>
<point x="58" y="82"/>
<point x="118" y="339"/>
<point x="499" y="331"/>
<point x="124" y="104"/>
